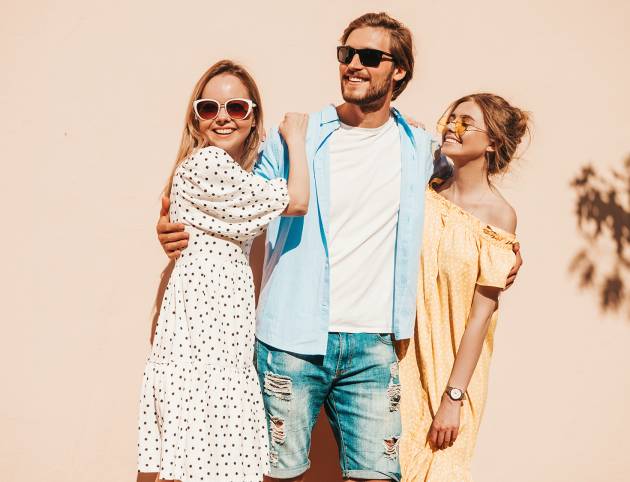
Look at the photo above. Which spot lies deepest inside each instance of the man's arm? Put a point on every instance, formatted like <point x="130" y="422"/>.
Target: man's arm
<point x="506" y="219"/>
<point x="516" y="267"/>
<point x="172" y="236"/>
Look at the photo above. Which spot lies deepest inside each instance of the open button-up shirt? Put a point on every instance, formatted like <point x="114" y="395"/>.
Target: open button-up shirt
<point x="294" y="305"/>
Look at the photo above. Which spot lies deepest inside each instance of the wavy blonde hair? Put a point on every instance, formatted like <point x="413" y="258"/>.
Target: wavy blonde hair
<point x="193" y="138"/>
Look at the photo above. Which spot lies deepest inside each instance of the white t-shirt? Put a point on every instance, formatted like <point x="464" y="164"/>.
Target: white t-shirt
<point x="364" y="202"/>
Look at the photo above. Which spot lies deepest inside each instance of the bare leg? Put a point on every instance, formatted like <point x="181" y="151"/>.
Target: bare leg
<point x="366" y="480"/>
<point x="151" y="477"/>
<point x="147" y="477"/>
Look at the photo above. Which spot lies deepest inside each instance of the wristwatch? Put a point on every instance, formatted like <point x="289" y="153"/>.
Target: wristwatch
<point x="455" y="394"/>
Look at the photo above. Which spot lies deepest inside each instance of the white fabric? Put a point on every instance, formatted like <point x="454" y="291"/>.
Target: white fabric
<point x="365" y="170"/>
<point x="201" y="412"/>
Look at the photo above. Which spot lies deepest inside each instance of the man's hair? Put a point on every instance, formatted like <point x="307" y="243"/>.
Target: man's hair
<point x="401" y="43"/>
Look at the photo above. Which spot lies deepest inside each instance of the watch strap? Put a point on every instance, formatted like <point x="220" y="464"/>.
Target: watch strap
<point x="448" y="392"/>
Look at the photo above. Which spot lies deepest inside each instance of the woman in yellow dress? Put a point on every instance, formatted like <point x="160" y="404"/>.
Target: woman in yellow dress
<point x="468" y="252"/>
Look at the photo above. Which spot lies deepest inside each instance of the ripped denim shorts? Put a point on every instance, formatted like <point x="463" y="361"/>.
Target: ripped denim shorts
<point x="356" y="382"/>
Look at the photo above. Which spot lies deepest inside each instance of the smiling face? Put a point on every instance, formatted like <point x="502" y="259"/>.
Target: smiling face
<point x="223" y="131"/>
<point x="470" y="144"/>
<point x="366" y="86"/>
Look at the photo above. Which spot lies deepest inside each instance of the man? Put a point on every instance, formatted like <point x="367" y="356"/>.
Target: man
<point x="340" y="281"/>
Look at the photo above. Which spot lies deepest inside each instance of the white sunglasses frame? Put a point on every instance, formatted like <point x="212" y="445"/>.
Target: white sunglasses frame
<point x="249" y="102"/>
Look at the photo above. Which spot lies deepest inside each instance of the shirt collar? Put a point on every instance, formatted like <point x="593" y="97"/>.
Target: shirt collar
<point x="400" y="120"/>
<point x="329" y="114"/>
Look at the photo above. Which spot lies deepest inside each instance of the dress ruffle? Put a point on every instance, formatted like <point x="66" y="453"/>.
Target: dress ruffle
<point x="177" y="397"/>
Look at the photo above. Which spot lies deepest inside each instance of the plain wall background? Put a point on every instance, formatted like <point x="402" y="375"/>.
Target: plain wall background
<point x="92" y="99"/>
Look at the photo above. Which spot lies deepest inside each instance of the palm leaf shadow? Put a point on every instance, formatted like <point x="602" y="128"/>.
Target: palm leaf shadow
<point x="602" y="210"/>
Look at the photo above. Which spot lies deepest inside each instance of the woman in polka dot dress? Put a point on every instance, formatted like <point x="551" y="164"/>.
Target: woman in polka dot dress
<point x="201" y="412"/>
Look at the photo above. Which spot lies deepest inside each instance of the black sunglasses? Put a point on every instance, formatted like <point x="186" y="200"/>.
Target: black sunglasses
<point x="367" y="57"/>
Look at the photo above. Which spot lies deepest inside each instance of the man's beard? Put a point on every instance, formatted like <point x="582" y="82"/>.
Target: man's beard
<point x="375" y="97"/>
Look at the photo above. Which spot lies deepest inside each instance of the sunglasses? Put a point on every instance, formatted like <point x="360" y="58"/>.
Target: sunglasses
<point x="367" y="57"/>
<point x="457" y="125"/>
<point x="208" y="109"/>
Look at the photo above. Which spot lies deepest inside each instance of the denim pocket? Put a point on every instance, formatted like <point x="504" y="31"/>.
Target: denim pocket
<point x="385" y="338"/>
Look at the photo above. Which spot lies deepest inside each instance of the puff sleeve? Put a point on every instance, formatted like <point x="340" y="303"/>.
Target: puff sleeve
<point x="218" y="196"/>
<point x="496" y="257"/>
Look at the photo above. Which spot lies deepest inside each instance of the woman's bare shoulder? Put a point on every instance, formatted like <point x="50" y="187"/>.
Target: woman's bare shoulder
<point x="501" y="213"/>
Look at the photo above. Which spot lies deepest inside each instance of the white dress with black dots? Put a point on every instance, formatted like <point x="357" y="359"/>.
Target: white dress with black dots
<point x="201" y="413"/>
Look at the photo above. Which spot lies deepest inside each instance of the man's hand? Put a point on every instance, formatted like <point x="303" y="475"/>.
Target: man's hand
<point x="413" y="122"/>
<point x="172" y="236"/>
<point x="516" y="267"/>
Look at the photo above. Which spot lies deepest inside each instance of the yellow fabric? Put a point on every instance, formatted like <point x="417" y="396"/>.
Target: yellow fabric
<point x="459" y="252"/>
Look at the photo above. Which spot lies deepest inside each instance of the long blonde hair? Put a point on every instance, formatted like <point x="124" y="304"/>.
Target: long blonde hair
<point x="193" y="139"/>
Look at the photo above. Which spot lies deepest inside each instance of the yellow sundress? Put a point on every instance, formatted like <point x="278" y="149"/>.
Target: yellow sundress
<point x="459" y="252"/>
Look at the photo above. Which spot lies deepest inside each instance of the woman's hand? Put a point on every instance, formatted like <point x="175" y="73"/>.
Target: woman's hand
<point x="293" y="130"/>
<point x="293" y="127"/>
<point x="445" y="426"/>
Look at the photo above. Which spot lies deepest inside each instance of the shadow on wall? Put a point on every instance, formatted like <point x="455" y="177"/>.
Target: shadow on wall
<point x="602" y="208"/>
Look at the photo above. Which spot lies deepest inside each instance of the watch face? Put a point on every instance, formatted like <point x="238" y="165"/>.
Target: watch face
<point x="456" y="393"/>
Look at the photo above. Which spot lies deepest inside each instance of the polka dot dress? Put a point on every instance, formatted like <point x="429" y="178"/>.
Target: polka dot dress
<point x="201" y="411"/>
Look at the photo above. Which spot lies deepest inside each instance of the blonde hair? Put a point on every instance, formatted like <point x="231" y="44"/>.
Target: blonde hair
<point x="193" y="138"/>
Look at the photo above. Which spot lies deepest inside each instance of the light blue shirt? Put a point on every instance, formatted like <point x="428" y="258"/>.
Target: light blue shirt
<point x="294" y="304"/>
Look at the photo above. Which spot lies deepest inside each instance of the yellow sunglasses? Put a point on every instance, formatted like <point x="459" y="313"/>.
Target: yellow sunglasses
<point x="458" y="126"/>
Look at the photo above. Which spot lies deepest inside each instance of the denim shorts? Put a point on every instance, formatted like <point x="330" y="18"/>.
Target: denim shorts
<point x="356" y="382"/>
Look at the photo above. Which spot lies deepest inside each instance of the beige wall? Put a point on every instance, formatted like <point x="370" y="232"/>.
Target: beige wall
<point x="92" y="100"/>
